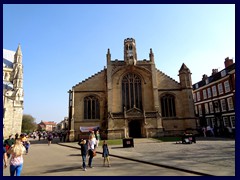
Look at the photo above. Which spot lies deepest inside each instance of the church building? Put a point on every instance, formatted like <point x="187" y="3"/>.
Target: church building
<point x="12" y="91"/>
<point x="132" y="98"/>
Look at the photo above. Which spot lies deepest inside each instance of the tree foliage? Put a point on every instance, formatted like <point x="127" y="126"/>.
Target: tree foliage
<point x="28" y="123"/>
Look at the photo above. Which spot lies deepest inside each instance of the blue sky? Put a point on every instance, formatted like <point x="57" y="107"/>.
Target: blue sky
<point x="64" y="44"/>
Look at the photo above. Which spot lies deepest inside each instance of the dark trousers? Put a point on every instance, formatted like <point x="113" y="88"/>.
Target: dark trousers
<point x="90" y="152"/>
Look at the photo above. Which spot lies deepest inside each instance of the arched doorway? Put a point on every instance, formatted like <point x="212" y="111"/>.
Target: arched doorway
<point x="134" y="127"/>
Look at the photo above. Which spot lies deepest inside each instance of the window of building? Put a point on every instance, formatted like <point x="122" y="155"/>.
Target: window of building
<point x="196" y="86"/>
<point x="220" y="88"/>
<point x="200" y="109"/>
<point x="91" y="108"/>
<point x="214" y="91"/>
<point x="194" y="97"/>
<point x="131" y="92"/>
<point x="209" y="92"/>
<point x="208" y="121"/>
<point x="230" y="103"/>
<point x="213" y="121"/>
<point x="226" y="86"/>
<point x="223" y="73"/>
<point x="223" y="105"/>
<point x="225" y="121"/>
<point x="206" y="108"/>
<point x="232" y="121"/>
<point x="204" y="94"/>
<point x="196" y="109"/>
<point x="211" y="107"/>
<point x="198" y="96"/>
<point x="216" y="106"/>
<point x="168" y="105"/>
<point x="206" y="81"/>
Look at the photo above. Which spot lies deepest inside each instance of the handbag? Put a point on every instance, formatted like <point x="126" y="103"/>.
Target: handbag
<point x="94" y="153"/>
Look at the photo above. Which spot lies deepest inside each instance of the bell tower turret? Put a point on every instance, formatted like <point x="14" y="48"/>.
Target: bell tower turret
<point x="185" y="77"/>
<point x="130" y="52"/>
<point x="17" y="74"/>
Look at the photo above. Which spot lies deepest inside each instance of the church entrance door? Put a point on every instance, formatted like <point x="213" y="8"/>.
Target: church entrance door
<point x="135" y="129"/>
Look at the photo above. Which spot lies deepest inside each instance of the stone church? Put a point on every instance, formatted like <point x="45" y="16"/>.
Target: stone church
<point x="132" y="98"/>
<point x="12" y="91"/>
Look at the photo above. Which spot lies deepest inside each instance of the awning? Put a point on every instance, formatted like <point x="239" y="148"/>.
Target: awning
<point x="88" y="128"/>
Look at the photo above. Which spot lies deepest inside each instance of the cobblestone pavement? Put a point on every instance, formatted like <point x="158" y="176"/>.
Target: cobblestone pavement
<point x="212" y="156"/>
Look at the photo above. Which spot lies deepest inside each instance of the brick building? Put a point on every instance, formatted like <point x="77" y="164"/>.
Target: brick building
<point x="214" y="98"/>
<point x="47" y="126"/>
<point x="132" y="98"/>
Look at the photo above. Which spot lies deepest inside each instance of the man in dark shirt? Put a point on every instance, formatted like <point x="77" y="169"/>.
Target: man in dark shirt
<point x="84" y="149"/>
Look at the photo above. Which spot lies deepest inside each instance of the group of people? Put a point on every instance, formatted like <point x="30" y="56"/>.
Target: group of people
<point x="13" y="150"/>
<point x="88" y="148"/>
<point x="217" y="131"/>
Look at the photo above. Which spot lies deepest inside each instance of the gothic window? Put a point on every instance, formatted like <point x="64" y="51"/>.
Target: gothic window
<point x="168" y="106"/>
<point x="91" y="108"/>
<point x="131" y="91"/>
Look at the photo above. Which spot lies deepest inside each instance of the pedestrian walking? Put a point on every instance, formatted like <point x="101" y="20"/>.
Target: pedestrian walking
<point x="16" y="161"/>
<point x="5" y="157"/>
<point x="64" y="136"/>
<point x="39" y="136"/>
<point x="91" y="149"/>
<point x="60" y="135"/>
<point x="84" y="150"/>
<point x="105" y="154"/>
<point x="204" y="130"/>
<point x="16" y="136"/>
<point x="98" y="138"/>
<point x="8" y="143"/>
<point x="50" y="138"/>
<point x="26" y="145"/>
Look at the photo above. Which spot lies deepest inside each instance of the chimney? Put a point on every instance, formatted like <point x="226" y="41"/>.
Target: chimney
<point x="204" y="77"/>
<point x="214" y="71"/>
<point x="228" y="62"/>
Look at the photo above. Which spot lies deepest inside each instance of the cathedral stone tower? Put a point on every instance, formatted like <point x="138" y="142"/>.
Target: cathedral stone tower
<point x="130" y="53"/>
<point x="12" y="91"/>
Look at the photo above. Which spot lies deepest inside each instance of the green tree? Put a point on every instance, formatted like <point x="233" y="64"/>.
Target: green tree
<point x="28" y="123"/>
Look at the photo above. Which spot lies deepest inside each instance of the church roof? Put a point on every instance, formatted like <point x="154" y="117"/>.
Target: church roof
<point x="8" y="58"/>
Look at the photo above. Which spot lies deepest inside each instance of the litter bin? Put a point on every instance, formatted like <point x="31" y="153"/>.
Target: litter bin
<point x="128" y="142"/>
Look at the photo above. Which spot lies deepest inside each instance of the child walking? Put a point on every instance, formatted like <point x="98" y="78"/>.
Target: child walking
<point x="105" y="154"/>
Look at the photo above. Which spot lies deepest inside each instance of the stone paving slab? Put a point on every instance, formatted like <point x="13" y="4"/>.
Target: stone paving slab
<point x="211" y="157"/>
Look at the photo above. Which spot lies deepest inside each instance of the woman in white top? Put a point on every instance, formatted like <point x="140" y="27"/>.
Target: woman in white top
<point x="91" y="148"/>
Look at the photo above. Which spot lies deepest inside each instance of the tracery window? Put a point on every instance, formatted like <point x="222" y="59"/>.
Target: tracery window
<point x="131" y="91"/>
<point x="91" y="108"/>
<point x="168" y="106"/>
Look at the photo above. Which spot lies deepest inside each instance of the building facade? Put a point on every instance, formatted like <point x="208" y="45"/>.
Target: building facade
<point x="12" y="91"/>
<point x="63" y="125"/>
<point x="214" y="98"/>
<point x="131" y="98"/>
<point x="48" y="126"/>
